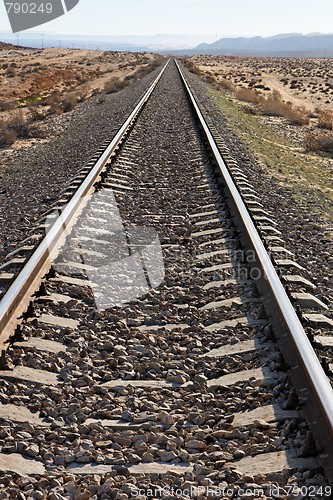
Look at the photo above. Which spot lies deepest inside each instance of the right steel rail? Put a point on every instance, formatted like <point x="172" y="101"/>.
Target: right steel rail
<point x="313" y="386"/>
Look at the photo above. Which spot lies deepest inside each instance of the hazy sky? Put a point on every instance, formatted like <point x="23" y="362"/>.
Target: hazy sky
<point x="213" y="17"/>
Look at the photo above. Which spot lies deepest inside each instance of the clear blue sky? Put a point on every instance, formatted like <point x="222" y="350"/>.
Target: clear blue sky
<point x="211" y="17"/>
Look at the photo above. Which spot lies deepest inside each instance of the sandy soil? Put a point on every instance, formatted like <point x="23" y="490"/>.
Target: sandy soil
<point x="303" y="82"/>
<point x="31" y="73"/>
<point x="37" y="86"/>
<point x="292" y="138"/>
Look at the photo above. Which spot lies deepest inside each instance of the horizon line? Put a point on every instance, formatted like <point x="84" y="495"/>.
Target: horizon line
<point x="45" y="33"/>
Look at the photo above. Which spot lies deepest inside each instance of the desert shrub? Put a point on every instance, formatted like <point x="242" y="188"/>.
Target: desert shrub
<point x="140" y="73"/>
<point x="325" y="119"/>
<point x="297" y="116"/>
<point x="210" y="79"/>
<point x="83" y="93"/>
<point x="319" y="142"/>
<point x="95" y="92"/>
<point x="7" y="136"/>
<point x="144" y="60"/>
<point x="56" y="109"/>
<point x="192" y="67"/>
<point x="313" y="114"/>
<point x="51" y="99"/>
<point x="37" y="114"/>
<point x="250" y="110"/>
<point x="260" y="86"/>
<point x="128" y="78"/>
<point x="36" y="131"/>
<point x="227" y="84"/>
<point x="59" y="104"/>
<point x="69" y="102"/>
<point x="114" y="85"/>
<point x="101" y="98"/>
<point x="274" y="106"/>
<point x="19" y="124"/>
<point x="248" y="95"/>
<point x="155" y="64"/>
<point x="7" y="106"/>
<point x="11" y="72"/>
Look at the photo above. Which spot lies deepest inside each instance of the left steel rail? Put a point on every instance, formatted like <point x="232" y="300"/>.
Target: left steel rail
<point x="16" y="299"/>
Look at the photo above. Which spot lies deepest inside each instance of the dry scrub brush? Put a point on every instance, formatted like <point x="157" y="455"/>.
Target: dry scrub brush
<point x="275" y="106"/>
<point x="325" y="119"/>
<point x="11" y="72"/>
<point x="7" y="106"/>
<point x="319" y="142"/>
<point x="7" y="136"/>
<point x="69" y="102"/>
<point x="145" y="70"/>
<point x="18" y="126"/>
<point x="59" y="104"/>
<point x="226" y="84"/>
<point x="272" y="105"/>
<point x="192" y="67"/>
<point x="114" y="85"/>
<point x="248" y="95"/>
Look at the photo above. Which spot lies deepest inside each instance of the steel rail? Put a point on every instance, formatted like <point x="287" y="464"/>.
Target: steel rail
<point x="20" y="288"/>
<point x="278" y="301"/>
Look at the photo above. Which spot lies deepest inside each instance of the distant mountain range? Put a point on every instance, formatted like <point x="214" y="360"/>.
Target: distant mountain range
<point x="284" y="45"/>
<point x="131" y="43"/>
<point x="292" y="44"/>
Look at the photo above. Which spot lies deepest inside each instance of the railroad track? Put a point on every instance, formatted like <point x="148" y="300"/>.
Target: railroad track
<point x="139" y="343"/>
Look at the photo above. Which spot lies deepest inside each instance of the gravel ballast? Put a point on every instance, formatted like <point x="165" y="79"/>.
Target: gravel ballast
<point x="305" y="233"/>
<point x="178" y="435"/>
<point x="32" y="177"/>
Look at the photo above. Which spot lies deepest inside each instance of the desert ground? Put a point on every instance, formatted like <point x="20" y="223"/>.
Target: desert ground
<point x="32" y="74"/>
<point x="36" y="86"/>
<point x="282" y="110"/>
<point x="303" y="82"/>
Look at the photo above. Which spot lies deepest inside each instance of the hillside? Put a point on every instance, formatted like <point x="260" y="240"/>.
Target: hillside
<point x="294" y="44"/>
<point x="7" y="46"/>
